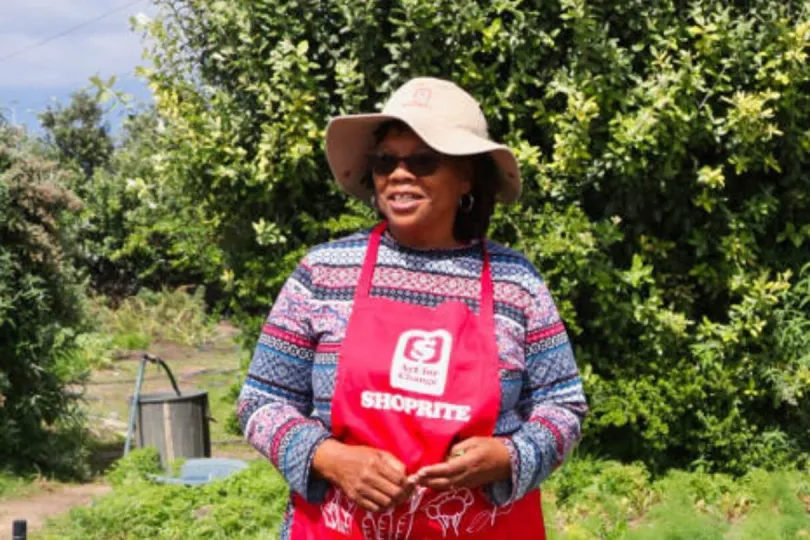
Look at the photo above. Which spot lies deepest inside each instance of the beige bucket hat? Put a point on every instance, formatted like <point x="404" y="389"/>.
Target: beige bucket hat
<point x="444" y="116"/>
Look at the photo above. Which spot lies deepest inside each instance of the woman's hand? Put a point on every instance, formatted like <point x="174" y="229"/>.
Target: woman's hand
<point x="372" y="478"/>
<point x="472" y="463"/>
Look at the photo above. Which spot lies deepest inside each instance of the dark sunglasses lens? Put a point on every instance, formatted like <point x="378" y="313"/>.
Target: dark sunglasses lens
<point x="422" y="164"/>
<point x="383" y="164"/>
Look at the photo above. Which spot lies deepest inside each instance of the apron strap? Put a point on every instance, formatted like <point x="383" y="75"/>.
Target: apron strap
<point x="487" y="309"/>
<point x="367" y="272"/>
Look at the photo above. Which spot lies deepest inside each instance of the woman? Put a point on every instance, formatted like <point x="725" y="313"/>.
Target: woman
<point x="415" y="381"/>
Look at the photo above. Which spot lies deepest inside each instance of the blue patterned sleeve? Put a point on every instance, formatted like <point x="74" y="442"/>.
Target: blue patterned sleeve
<point x="275" y="403"/>
<point x="552" y="403"/>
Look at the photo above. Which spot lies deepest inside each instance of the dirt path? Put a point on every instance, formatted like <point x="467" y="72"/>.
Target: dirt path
<point x="38" y="508"/>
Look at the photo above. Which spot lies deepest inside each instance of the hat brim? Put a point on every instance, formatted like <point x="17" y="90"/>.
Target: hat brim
<point x="350" y="138"/>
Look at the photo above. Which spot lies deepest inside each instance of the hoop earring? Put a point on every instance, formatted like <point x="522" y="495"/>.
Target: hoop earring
<point x="373" y="201"/>
<point x="466" y="202"/>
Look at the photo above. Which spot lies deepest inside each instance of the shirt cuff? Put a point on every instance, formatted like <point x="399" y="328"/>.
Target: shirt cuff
<point x="316" y="486"/>
<point x="503" y="492"/>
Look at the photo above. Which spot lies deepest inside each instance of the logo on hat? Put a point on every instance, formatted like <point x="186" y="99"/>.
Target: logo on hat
<point x="421" y="361"/>
<point x="421" y="97"/>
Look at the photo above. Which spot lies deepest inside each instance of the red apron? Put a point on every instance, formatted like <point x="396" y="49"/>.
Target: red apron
<point x="414" y="381"/>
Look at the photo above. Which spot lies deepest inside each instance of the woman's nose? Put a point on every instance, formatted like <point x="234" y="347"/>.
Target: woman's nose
<point x="401" y="174"/>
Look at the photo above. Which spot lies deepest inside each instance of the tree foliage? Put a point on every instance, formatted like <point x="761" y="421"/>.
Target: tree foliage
<point x="664" y="147"/>
<point x="78" y="133"/>
<point x="130" y="232"/>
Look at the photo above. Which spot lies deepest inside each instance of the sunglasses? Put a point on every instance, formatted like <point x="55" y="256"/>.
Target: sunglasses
<point x="420" y="164"/>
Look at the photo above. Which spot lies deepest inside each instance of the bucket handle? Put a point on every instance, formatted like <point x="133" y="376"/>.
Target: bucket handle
<point x="156" y="360"/>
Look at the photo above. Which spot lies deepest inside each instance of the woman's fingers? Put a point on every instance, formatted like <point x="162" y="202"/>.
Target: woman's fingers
<point x="465" y="467"/>
<point x="461" y="448"/>
<point x="373" y="499"/>
<point x="445" y="483"/>
<point x="447" y="469"/>
<point x="392" y="469"/>
<point x="382" y="481"/>
<point x="379" y="482"/>
<point x="449" y="474"/>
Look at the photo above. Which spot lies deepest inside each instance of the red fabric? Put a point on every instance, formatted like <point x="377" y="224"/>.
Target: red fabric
<point x="414" y="381"/>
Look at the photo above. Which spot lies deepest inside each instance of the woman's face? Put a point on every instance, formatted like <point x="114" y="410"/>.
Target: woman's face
<point x="420" y="209"/>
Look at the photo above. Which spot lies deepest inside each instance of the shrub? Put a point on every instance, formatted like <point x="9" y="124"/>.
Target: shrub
<point x="40" y="305"/>
<point x="664" y="148"/>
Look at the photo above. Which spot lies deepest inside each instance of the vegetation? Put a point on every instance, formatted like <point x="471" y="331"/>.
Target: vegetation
<point x="13" y="485"/>
<point x="664" y="147"/>
<point x="585" y="500"/>
<point x="246" y="505"/>
<point x="170" y="316"/>
<point x="40" y="309"/>
<point x="138" y="321"/>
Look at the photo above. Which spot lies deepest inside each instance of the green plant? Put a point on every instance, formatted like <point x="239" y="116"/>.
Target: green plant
<point x="791" y="377"/>
<point x="585" y="500"/>
<point x="40" y="312"/>
<point x="248" y="504"/>
<point x="135" y="467"/>
<point x="12" y="485"/>
<point x="776" y="494"/>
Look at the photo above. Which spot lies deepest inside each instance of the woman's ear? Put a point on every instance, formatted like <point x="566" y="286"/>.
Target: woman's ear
<point x="465" y="169"/>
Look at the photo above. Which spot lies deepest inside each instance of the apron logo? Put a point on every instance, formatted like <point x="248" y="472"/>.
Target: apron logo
<point x="422" y="350"/>
<point x="421" y="360"/>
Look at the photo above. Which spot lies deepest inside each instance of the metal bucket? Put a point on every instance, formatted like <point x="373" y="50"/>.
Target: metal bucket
<point x="173" y="422"/>
<point x="177" y="425"/>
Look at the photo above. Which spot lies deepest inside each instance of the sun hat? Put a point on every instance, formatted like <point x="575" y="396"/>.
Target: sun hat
<point x="444" y="116"/>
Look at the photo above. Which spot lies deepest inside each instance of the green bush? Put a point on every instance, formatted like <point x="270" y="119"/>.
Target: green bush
<point x="664" y="147"/>
<point x="40" y="307"/>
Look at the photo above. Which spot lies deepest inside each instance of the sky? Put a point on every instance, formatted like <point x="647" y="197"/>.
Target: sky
<point x="86" y="38"/>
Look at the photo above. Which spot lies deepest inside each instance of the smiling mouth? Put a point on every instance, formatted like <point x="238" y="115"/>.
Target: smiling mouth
<point x="404" y="203"/>
<point x="404" y="197"/>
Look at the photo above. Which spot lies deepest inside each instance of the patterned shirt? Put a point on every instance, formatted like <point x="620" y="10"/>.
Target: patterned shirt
<point x="285" y="404"/>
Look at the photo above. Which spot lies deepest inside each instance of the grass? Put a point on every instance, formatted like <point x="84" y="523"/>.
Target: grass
<point x="12" y="486"/>
<point x="15" y="486"/>
<point x="168" y="316"/>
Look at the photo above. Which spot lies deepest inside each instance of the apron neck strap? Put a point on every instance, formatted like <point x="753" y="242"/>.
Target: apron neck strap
<point x="364" y="285"/>
<point x="487" y="309"/>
